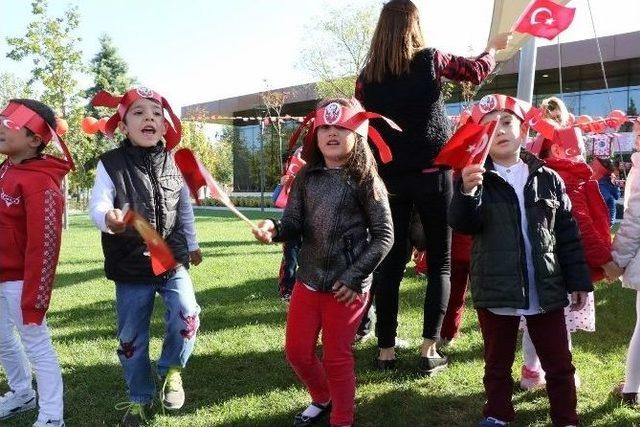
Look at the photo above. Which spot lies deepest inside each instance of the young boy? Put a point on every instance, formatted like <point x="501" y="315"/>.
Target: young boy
<point x="31" y="206"/>
<point x="141" y="174"/>
<point x="526" y="257"/>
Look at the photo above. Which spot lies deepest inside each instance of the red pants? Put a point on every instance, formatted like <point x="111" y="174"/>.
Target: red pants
<point x="549" y="335"/>
<point x="455" y="308"/>
<point x="334" y="378"/>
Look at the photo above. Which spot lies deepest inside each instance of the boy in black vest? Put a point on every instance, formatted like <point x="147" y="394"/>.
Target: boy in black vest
<point x="527" y="257"/>
<point x="141" y="175"/>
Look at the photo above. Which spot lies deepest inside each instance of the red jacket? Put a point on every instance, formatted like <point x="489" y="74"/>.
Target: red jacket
<point x="589" y="211"/>
<point x="31" y="206"/>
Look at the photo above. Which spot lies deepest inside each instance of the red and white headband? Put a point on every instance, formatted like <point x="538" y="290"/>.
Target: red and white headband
<point x="122" y="103"/>
<point x="16" y="116"/>
<point x="354" y="118"/>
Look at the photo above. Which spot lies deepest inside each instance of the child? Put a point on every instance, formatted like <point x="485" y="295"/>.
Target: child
<point x="526" y="256"/>
<point x="31" y="206"/>
<point x="565" y="156"/>
<point x="626" y="253"/>
<point x="604" y="174"/>
<point x="344" y="238"/>
<point x="141" y="174"/>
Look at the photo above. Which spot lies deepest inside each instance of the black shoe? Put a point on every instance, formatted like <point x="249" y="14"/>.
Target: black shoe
<point x="630" y="399"/>
<point x="432" y="365"/>
<point x="303" y="421"/>
<point x="386" y="365"/>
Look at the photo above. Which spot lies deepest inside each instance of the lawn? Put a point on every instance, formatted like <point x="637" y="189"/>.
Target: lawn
<point x="238" y="375"/>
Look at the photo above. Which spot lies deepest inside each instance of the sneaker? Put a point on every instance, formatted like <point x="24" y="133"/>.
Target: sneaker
<point x="12" y="403"/>
<point x="137" y="414"/>
<point x="432" y="365"/>
<point x="172" y="393"/>
<point x="363" y="337"/>
<point x="492" y="422"/>
<point x="530" y="379"/>
<point x="49" y="423"/>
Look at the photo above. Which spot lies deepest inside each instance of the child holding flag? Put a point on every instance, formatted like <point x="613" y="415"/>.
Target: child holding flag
<point x="345" y="237"/>
<point x="31" y="206"/>
<point x="141" y="175"/>
<point x="526" y="257"/>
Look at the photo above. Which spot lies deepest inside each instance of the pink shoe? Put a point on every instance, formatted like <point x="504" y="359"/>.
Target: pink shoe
<point x="530" y="379"/>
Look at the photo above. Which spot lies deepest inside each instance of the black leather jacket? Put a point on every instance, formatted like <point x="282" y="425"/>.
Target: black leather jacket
<point x="345" y="231"/>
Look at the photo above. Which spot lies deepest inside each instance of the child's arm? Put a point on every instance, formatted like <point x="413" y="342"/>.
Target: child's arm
<point x="188" y="221"/>
<point x="101" y="211"/>
<point x="626" y="242"/>
<point x="44" y="228"/>
<point x="465" y="212"/>
<point x="378" y="215"/>
<point x="569" y="249"/>
<point x="290" y="226"/>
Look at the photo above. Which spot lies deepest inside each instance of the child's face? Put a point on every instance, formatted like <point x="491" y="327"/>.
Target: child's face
<point x="16" y="143"/>
<point x="335" y="144"/>
<point x="144" y="123"/>
<point x="508" y="140"/>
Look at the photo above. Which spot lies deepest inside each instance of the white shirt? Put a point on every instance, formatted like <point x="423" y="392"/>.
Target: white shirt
<point x="516" y="176"/>
<point x="104" y="192"/>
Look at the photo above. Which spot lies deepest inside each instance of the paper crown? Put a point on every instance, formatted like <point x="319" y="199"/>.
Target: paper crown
<point x="352" y="117"/>
<point x="122" y="103"/>
<point x="16" y="116"/>
<point x="499" y="102"/>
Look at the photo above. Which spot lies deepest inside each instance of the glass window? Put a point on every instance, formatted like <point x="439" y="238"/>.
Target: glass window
<point x="596" y="103"/>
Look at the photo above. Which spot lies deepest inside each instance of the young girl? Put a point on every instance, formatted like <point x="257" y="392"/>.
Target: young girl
<point x="564" y="155"/>
<point x="141" y="174"/>
<point x="626" y="253"/>
<point x="339" y="206"/>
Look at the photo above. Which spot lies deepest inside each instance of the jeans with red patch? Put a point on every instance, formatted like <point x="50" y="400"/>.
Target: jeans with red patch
<point x="134" y="306"/>
<point x="334" y="377"/>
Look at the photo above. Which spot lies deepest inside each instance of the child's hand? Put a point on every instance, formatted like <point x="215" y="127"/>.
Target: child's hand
<point x="265" y="231"/>
<point x="114" y="220"/>
<point x="578" y="300"/>
<point x="195" y="257"/>
<point x="499" y="41"/>
<point x="471" y="178"/>
<point x="612" y="271"/>
<point x="344" y="294"/>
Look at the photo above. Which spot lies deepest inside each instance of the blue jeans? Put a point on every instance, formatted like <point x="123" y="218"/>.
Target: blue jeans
<point x="134" y="305"/>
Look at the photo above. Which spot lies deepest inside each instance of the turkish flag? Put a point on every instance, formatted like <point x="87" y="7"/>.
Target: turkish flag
<point x="537" y="122"/>
<point x="544" y="18"/>
<point x="468" y="145"/>
<point x="162" y="259"/>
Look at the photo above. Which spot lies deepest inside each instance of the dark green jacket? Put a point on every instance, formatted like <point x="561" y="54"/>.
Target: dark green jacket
<point x="498" y="272"/>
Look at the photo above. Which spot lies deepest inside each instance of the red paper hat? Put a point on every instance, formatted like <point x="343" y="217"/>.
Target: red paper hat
<point x="499" y="102"/>
<point x="122" y="103"/>
<point x="354" y="118"/>
<point x="15" y="116"/>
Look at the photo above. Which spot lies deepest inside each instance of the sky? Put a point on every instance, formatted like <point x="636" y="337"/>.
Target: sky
<point x="201" y="50"/>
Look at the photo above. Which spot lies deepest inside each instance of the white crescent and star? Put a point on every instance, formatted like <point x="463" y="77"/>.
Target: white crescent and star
<point x="534" y="16"/>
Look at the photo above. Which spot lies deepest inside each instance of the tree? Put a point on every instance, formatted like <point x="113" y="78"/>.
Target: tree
<point x="273" y="103"/>
<point x="337" y="45"/>
<point x="12" y="87"/>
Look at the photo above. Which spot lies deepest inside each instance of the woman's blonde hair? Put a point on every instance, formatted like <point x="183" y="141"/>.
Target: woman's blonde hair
<point x="553" y="103"/>
<point x="396" y="40"/>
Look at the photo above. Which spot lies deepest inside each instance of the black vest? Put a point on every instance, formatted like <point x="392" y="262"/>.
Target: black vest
<point x="414" y="102"/>
<point x="150" y="182"/>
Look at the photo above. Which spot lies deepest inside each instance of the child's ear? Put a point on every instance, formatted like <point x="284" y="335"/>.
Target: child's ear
<point x="122" y="127"/>
<point x="163" y="127"/>
<point x="35" y="141"/>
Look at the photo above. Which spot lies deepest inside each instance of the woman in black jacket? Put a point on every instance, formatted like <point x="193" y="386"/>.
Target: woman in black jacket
<point x="402" y="80"/>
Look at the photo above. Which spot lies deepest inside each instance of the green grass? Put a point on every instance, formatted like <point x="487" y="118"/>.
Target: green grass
<point x="238" y="375"/>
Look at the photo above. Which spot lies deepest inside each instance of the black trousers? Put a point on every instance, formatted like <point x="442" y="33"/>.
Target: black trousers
<point x="430" y="194"/>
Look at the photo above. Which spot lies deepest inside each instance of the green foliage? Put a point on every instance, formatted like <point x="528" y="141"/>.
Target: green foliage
<point x="216" y="157"/>
<point x="12" y="87"/>
<point x="52" y="45"/>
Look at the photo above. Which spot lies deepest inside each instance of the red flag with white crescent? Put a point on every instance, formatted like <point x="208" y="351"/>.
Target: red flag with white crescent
<point x="544" y="18"/>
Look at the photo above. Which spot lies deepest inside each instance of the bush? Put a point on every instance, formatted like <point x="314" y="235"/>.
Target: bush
<point x="242" y="202"/>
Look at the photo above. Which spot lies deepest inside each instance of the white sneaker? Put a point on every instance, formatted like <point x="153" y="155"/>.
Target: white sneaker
<point x="400" y="343"/>
<point x="12" y="404"/>
<point x="49" y="423"/>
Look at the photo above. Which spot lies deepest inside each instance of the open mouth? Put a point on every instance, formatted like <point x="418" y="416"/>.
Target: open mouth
<point x="148" y="130"/>
<point x="333" y="143"/>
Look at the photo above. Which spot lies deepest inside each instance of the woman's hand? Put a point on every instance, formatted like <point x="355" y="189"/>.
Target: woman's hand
<point x="343" y="294"/>
<point x="499" y="42"/>
<point x="264" y="231"/>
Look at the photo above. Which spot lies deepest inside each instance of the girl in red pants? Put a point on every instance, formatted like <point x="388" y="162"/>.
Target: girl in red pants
<point x="339" y="205"/>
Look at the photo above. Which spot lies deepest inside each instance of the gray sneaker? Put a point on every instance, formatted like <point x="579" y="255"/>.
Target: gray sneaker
<point x="172" y="393"/>
<point x="12" y="403"/>
<point x="49" y="423"/>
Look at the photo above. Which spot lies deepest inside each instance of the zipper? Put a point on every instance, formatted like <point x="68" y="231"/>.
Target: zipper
<point x="336" y="223"/>
<point x="348" y="250"/>
<point x="154" y="192"/>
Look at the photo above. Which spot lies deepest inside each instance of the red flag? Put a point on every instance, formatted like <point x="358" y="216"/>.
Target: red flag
<point x="544" y="18"/>
<point x="537" y="122"/>
<point x="468" y="145"/>
<point x="162" y="259"/>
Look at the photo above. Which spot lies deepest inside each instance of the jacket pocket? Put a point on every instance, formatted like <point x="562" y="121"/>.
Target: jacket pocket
<point x="348" y="250"/>
<point x="11" y="253"/>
